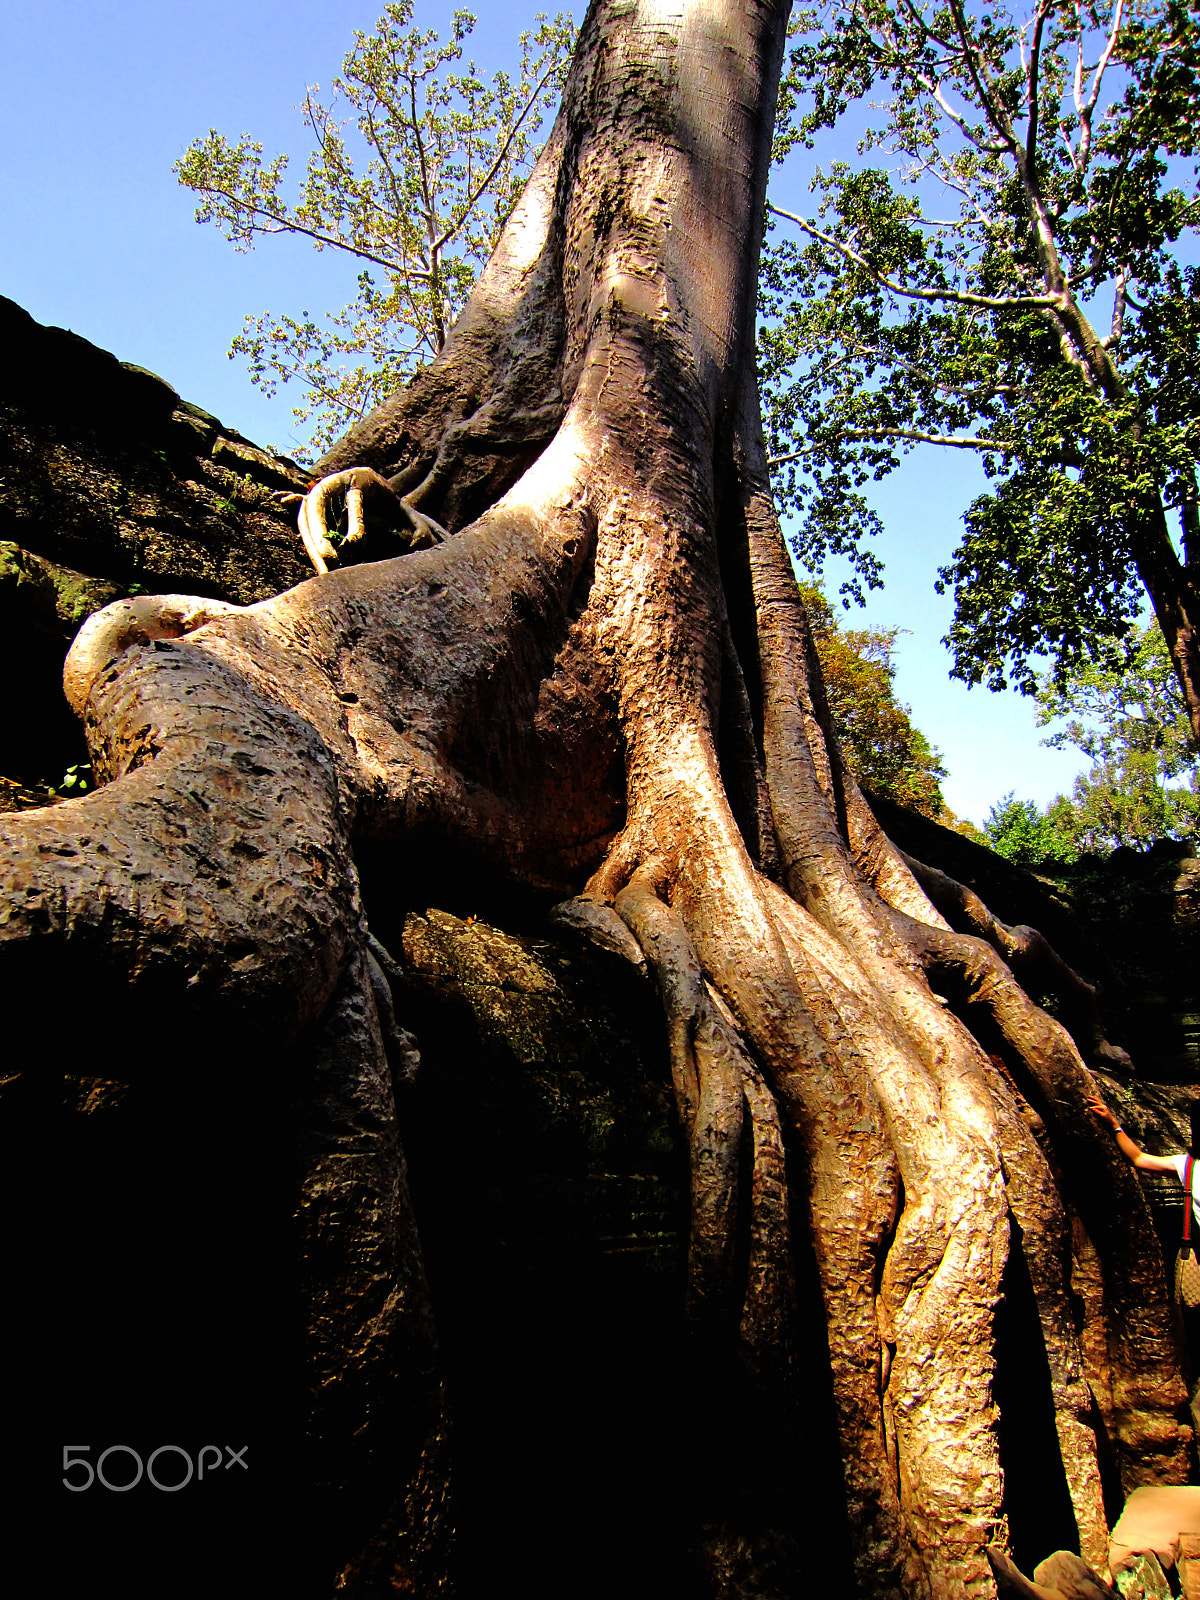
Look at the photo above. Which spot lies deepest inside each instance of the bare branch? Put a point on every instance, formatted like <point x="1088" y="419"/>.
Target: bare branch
<point x="415" y="124"/>
<point x="387" y="169"/>
<point x="976" y="393"/>
<point x="483" y="183"/>
<point x="1071" y="156"/>
<point x="958" y="118"/>
<point x="280" y="223"/>
<point x="994" y="111"/>
<point x="1118" y="316"/>
<point x="1102" y="64"/>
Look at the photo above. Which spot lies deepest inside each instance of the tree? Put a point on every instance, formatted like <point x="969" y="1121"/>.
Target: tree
<point x="601" y="688"/>
<point x="446" y="155"/>
<point x="1040" y="185"/>
<point x="1019" y="832"/>
<point x="1134" y="725"/>
<point x="882" y="748"/>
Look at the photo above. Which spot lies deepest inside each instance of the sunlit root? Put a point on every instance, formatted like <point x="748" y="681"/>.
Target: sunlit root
<point x="706" y="1068"/>
<point x="1141" y="1348"/>
<point x="353" y="485"/>
<point x="140" y="620"/>
<point x="1034" y="962"/>
<point x="1041" y="1233"/>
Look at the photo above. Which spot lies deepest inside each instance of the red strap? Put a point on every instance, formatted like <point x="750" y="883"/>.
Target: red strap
<point x="1187" y="1200"/>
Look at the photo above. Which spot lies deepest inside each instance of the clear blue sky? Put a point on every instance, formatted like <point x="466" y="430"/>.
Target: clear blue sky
<point x="102" y="96"/>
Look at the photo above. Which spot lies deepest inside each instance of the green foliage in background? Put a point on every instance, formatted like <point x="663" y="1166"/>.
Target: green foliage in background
<point x="1017" y="830"/>
<point x="882" y="747"/>
<point x="1003" y="271"/>
<point x="1144" y="783"/>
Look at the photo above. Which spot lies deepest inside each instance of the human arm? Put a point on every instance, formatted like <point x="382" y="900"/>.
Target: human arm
<point x="1131" y="1152"/>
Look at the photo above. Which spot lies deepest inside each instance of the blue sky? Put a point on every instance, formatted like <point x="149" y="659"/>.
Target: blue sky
<point x="103" y="96"/>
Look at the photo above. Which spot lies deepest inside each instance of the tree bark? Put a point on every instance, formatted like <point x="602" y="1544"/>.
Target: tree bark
<point x="603" y="687"/>
<point x="1176" y="601"/>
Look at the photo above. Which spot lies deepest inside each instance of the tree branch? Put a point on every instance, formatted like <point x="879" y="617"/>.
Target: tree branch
<point x="284" y="224"/>
<point x="958" y="118"/>
<point x="994" y="112"/>
<point x="951" y="296"/>
<point x="914" y="434"/>
<point x="979" y="395"/>
<point x="1102" y="64"/>
<point x="1035" y="59"/>
<point x="483" y="183"/>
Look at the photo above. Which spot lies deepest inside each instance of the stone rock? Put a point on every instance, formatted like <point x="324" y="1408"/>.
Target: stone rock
<point x="1011" y="1582"/>
<point x="248" y="460"/>
<point x="1153" y="1521"/>
<point x="1144" y="1579"/>
<point x="105" y="470"/>
<point x="1071" y="1576"/>
<point x="16" y="797"/>
<point x="1188" y="1566"/>
<point x="111" y="485"/>
<point x="55" y="599"/>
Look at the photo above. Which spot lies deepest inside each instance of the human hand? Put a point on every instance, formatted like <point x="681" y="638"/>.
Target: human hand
<point x="1101" y="1112"/>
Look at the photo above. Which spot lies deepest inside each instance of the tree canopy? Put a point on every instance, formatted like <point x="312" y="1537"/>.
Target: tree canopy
<point x="1010" y="277"/>
<point x="882" y="747"/>
<point x="1144" y="783"/>
<point x="415" y="183"/>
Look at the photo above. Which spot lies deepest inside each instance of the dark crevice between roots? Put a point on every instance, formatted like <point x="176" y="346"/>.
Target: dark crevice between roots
<point x="42" y="735"/>
<point x="743" y="774"/>
<point x="818" y="1474"/>
<point x="1037" y="1501"/>
<point x="733" y="554"/>
<point x="573" y="1416"/>
<point x="887" y="1347"/>
<point x="1110" y="1467"/>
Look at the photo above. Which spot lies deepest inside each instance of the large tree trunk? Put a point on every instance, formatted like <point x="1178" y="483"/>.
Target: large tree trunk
<point x="603" y="688"/>
<point x="1171" y="585"/>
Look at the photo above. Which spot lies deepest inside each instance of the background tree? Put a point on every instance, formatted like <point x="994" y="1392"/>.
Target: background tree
<point x="882" y="748"/>
<point x="599" y="693"/>
<point x="418" y="192"/>
<point x="1133" y="723"/>
<point x="1018" y="831"/>
<point x="1038" y="183"/>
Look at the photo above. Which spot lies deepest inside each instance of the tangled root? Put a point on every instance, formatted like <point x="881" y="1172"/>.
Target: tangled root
<point x="353" y="485"/>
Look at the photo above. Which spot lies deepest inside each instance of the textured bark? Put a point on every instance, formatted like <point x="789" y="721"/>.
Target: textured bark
<point x="603" y="687"/>
<point x="1031" y="958"/>
<point x="1173" y="593"/>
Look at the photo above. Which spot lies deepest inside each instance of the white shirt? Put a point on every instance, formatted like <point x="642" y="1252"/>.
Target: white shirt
<point x="1179" y="1163"/>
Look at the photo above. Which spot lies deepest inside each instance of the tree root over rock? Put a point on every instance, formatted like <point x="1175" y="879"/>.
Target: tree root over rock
<point x="605" y="682"/>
